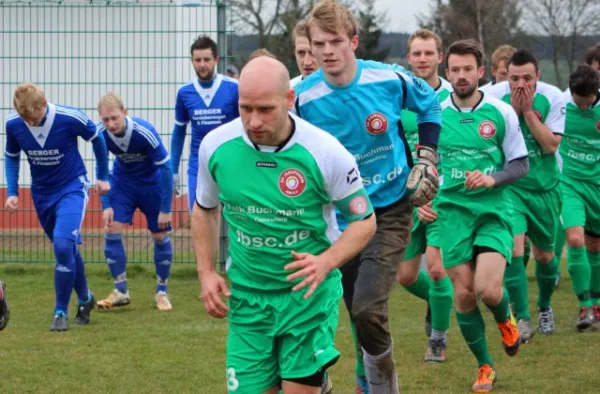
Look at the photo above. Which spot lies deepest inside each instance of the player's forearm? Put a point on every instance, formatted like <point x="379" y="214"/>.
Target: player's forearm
<point x="543" y="135"/>
<point x="177" y="140"/>
<point x="514" y="170"/>
<point x="429" y="134"/>
<point x="166" y="187"/>
<point x="101" y="154"/>
<point x="205" y="237"/>
<point x="352" y="241"/>
<point x="11" y="170"/>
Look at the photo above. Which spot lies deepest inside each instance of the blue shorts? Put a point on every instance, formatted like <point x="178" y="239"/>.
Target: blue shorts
<point x="61" y="213"/>
<point x="192" y="174"/>
<point x="124" y="200"/>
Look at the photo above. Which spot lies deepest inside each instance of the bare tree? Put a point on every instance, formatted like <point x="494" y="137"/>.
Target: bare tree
<point x="566" y="23"/>
<point x="260" y="17"/>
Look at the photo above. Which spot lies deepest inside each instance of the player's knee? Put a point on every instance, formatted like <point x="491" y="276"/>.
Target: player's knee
<point x="115" y="228"/>
<point x="490" y="293"/>
<point x="575" y="239"/>
<point x="464" y="295"/>
<point x="157" y="237"/>
<point x="544" y="257"/>
<point x="406" y="277"/>
<point x="436" y="272"/>
<point x="64" y="251"/>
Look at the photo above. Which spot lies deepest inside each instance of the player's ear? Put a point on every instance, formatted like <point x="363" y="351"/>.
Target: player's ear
<point x="447" y="71"/>
<point x="289" y="99"/>
<point x="354" y="42"/>
<point x="481" y="72"/>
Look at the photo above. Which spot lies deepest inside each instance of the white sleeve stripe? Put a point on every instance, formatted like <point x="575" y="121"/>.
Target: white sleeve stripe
<point x="76" y="115"/>
<point x="12" y="154"/>
<point x="178" y="123"/>
<point x="94" y="136"/>
<point x="147" y="134"/>
<point x="163" y="161"/>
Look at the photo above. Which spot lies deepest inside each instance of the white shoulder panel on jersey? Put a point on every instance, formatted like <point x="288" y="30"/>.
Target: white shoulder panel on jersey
<point x="498" y="90"/>
<point x="446" y="103"/>
<point x="513" y="144"/>
<point x="336" y="164"/>
<point x="295" y="81"/>
<point x="229" y="79"/>
<point x="316" y="92"/>
<point x="555" y="120"/>
<point x="75" y="114"/>
<point x="446" y="85"/>
<point x="372" y="75"/>
<point x="486" y="86"/>
<point x="147" y="134"/>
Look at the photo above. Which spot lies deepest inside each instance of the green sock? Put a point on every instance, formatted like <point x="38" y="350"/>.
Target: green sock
<point x="546" y="279"/>
<point x="579" y="270"/>
<point x="502" y="310"/>
<point x="526" y="252"/>
<point x="441" y="295"/>
<point x="594" y="259"/>
<point x="360" y="366"/>
<point x="421" y="287"/>
<point x="559" y="244"/>
<point x="515" y="281"/>
<point x="472" y="328"/>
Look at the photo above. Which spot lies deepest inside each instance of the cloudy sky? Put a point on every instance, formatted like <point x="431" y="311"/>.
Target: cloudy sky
<point x="402" y="13"/>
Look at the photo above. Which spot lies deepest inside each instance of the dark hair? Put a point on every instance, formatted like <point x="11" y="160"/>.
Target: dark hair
<point x="592" y="53"/>
<point x="466" y="47"/>
<point x="523" y="57"/>
<point x="204" y="42"/>
<point x="584" y="81"/>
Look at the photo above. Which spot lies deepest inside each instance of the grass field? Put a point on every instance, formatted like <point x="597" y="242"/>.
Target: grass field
<point x="137" y="349"/>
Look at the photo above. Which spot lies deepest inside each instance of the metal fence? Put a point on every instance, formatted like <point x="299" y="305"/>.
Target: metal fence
<point x="77" y="51"/>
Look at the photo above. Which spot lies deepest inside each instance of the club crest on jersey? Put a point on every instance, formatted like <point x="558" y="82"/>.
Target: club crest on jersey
<point x="358" y="205"/>
<point x="376" y="123"/>
<point x="292" y="182"/>
<point x="487" y="129"/>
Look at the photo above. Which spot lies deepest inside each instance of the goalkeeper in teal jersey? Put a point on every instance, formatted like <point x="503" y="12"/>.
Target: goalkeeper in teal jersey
<point x="279" y="180"/>
<point x="580" y="187"/>
<point x="481" y="151"/>
<point x="536" y="197"/>
<point x="434" y="286"/>
<point x="360" y="103"/>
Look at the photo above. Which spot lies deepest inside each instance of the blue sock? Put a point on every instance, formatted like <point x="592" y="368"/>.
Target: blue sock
<point x="163" y="258"/>
<point x="116" y="259"/>
<point x="64" y="273"/>
<point x="81" y="286"/>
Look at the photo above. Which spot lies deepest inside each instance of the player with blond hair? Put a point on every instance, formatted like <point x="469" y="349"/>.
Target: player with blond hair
<point x="307" y="64"/>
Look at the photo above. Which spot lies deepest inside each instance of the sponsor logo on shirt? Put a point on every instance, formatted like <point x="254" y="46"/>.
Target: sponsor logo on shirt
<point x="267" y="164"/>
<point x="358" y="205"/>
<point x="376" y="123"/>
<point x="352" y="176"/>
<point x="292" y="182"/>
<point x="487" y="129"/>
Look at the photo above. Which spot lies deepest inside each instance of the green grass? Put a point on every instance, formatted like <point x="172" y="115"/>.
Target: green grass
<point x="137" y="349"/>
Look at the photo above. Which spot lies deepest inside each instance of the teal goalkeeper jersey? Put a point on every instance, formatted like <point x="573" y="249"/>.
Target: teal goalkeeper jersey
<point x="276" y="202"/>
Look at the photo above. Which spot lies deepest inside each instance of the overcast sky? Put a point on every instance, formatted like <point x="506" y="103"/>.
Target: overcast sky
<point x="402" y="13"/>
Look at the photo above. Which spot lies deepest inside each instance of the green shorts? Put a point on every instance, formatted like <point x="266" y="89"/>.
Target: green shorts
<point x="581" y="205"/>
<point x="483" y="221"/>
<point x="536" y="214"/>
<point x="280" y="335"/>
<point x="422" y="235"/>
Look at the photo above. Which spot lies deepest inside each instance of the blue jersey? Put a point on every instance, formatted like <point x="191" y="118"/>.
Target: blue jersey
<point x="51" y="149"/>
<point x="206" y="109"/>
<point x="138" y="152"/>
<point x="365" y="116"/>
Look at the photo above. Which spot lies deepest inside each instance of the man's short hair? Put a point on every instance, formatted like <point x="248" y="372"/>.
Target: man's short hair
<point x="584" y="81"/>
<point x="333" y="18"/>
<point x="592" y="54"/>
<point x="28" y="99"/>
<point x="111" y="100"/>
<point x="502" y="54"/>
<point x="204" y="42"/>
<point x="523" y="57"/>
<point x="261" y="52"/>
<point x="466" y="47"/>
<point x="299" y="31"/>
<point x="425" y="34"/>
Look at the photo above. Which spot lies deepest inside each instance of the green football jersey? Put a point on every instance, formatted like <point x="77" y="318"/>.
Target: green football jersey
<point x="278" y="199"/>
<point x="548" y="104"/>
<point x="483" y="138"/>
<point x="409" y="118"/>
<point x="580" y="146"/>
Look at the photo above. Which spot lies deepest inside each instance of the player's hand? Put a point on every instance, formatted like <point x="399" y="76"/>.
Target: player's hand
<point x="423" y="180"/>
<point x="527" y="98"/>
<point x="108" y="215"/>
<point x="164" y="220"/>
<point x="516" y="98"/>
<point x="176" y="185"/>
<point x="213" y="285"/>
<point x="313" y="268"/>
<point x="476" y="179"/>
<point x="12" y="204"/>
<point x="102" y="187"/>
<point x="426" y="213"/>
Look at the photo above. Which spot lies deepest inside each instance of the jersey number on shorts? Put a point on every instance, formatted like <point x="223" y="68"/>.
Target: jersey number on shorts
<point x="232" y="382"/>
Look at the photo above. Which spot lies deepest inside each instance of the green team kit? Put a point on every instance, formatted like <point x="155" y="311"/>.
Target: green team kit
<point x="423" y="234"/>
<point x="482" y="138"/>
<point x="580" y="187"/>
<point x="536" y="197"/>
<point x="277" y="200"/>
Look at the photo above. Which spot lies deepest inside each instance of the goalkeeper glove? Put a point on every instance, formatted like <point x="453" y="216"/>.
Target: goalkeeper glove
<point x="423" y="180"/>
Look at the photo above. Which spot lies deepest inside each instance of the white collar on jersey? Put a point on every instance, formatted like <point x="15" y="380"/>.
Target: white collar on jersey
<point x="40" y="134"/>
<point x="123" y="142"/>
<point x="207" y="94"/>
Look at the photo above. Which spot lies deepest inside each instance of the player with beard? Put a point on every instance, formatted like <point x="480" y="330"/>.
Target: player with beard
<point x="481" y="150"/>
<point x="424" y="56"/>
<point x="208" y="102"/>
<point x="307" y="64"/>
